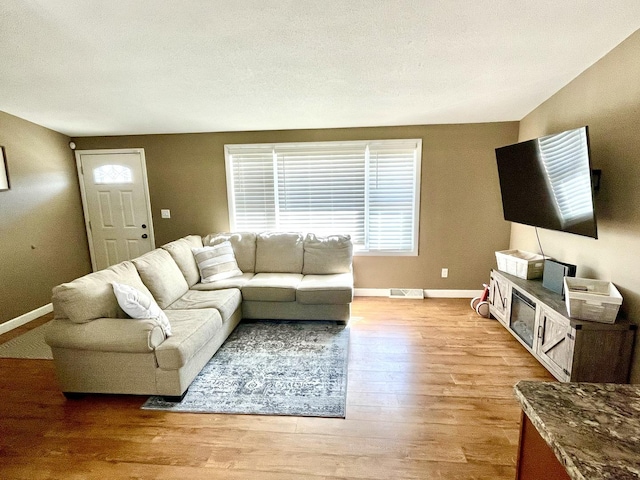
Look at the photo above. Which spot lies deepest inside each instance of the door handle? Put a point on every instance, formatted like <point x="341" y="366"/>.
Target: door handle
<point x="144" y="235"/>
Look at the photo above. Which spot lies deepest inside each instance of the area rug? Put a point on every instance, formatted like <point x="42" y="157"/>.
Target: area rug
<point x="272" y="368"/>
<point x="28" y="345"/>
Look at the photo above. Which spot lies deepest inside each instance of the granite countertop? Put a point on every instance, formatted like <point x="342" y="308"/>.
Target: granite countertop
<point x="594" y="429"/>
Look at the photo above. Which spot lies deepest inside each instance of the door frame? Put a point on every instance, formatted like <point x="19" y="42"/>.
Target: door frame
<point x="83" y="193"/>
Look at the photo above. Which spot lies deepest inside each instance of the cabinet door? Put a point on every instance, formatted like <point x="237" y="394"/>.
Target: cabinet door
<point x="555" y="343"/>
<point x="499" y="297"/>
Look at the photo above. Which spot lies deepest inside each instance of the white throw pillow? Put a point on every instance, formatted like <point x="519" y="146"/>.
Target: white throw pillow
<point x="217" y="262"/>
<point x="138" y="305"/>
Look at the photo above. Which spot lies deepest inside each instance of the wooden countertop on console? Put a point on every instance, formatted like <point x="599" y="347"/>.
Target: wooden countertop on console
<point x="593" y="429"/>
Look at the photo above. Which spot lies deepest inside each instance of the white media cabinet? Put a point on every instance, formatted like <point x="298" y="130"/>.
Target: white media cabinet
<point x="572" y="350"/>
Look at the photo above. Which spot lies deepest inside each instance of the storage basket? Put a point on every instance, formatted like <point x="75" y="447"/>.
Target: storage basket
<point x="521" y="264"/>
<point x="594" y="300"/>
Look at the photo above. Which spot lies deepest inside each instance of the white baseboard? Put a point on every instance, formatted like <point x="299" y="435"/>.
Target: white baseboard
<point x="371" y="292"/>
<point x="384" y="292"/>
<point x="452" y="293"/>
<point x="26" y="318"/>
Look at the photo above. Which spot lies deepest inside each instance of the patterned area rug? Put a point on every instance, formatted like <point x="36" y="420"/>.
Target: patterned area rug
<point x="28" y="345"/>
<point x="272" y="368"/>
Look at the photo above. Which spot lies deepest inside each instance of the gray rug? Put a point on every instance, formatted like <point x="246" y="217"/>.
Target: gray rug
<point x="272" y="368"/>
<point x="28" y="345"/>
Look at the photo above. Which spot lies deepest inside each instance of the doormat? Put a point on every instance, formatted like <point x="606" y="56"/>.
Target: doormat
<point x="30" y="345"/>
<point x="272" y="368"/>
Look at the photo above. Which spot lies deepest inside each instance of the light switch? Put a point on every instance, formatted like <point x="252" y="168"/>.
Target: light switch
<point x="165" y="213"/>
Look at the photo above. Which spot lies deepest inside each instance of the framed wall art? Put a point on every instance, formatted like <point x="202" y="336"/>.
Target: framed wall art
<point x="4" y="174"/>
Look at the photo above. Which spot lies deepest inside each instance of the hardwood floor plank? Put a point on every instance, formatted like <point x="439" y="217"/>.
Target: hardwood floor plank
<point x="430" y="395"/>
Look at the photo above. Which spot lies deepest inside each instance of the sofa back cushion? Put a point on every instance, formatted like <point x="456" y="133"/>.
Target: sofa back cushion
<point x="162" y="276"/>
<point x="243" y="244"/>
<point x="180" y="251"/>
<point x="327" y="255"/>
<point x="91" y="296"/>
<point x="279" y="252"/>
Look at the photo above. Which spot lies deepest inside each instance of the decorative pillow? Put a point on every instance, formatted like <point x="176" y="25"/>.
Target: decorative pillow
<point x="243" y="244"/>
<point x="138" y="305"/>
<point x="216" y="263"/>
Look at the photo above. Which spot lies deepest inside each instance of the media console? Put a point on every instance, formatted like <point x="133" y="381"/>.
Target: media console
<point x="572" y="350"/>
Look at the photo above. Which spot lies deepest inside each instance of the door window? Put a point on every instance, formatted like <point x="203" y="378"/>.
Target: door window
<point x="107" y="174"/>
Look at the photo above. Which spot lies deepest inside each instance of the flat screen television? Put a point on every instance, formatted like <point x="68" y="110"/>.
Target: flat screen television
<point x="546" y="182"/>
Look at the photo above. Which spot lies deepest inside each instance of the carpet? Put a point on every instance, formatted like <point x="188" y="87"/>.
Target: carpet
<point x="28" y="345"/>
<point x="272" y="368"/>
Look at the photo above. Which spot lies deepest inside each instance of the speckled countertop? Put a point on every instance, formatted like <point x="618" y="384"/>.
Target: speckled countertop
<point x="594" y="429"/>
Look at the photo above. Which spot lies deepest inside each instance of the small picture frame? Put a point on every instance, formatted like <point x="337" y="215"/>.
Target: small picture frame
<point x="4" y="174"/>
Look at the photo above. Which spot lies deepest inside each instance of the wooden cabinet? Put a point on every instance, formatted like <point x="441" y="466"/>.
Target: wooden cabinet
<point x="536" y="460"/>
<point x="572" y="350"/>
<point x="499" y="295"/>
<point x="555" y="343"/>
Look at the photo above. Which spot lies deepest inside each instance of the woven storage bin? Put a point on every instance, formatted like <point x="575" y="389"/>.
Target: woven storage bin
<point x="521" y="264"/>
<point x="594" y="300"/>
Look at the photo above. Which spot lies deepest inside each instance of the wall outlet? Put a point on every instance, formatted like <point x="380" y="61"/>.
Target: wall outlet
<point x="165" y="213"/>
<point x="444" y="273"/>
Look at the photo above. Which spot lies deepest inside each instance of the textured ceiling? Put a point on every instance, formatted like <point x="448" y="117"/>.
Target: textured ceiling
<point x="164" y="66"/>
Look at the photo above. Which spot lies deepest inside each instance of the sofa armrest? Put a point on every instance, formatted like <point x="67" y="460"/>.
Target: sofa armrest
<point x="123" y="335"/>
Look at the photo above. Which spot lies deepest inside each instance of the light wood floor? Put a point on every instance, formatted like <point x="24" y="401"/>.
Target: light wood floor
<point x="430" y="396"/>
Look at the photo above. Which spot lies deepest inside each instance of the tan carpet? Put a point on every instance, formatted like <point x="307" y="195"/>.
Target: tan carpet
<point x="28" y="345"/>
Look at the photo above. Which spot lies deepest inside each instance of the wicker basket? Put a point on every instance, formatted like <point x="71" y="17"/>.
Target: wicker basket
<point x="521" y="264"/>
<point x="594" y="300"/>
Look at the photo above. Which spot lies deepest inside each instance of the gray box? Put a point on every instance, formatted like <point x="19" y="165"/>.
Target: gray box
<point x="554" y="273"/>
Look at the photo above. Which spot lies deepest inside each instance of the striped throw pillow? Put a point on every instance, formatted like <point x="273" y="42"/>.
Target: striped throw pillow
<point x="216" y="263"/>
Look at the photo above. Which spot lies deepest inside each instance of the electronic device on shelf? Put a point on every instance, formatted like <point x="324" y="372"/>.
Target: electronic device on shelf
<point x="554" y="273"/>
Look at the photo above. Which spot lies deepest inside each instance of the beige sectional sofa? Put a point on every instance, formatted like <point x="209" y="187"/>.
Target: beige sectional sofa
<point x="98" y="348"/>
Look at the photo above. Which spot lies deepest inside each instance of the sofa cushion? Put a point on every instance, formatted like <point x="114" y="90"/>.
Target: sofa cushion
<point x="192" y="330"/>
<point x="180" y="251"/>
<point x="243" y="244"/>
<point x="233" y="282"/>
<point x="272" y="287"/>
<point x="162" y="276"/>
<point x="225" y="301"/>
<point x="327" y="255"/>
<point x="279" y="252"/>
<point x="140" y="306"/>
<point x="216" y="263"/>
<point x="91" y="296"/>
<point x="334" y="288"/>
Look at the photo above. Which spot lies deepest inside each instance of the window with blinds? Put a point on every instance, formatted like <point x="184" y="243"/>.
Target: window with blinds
<point x="369" y="190"/>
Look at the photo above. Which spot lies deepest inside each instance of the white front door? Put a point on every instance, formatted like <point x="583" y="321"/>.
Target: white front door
<point x="115" y="198"/>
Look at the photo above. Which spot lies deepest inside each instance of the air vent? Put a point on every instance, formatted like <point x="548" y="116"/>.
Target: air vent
<point x="406" y="293"/>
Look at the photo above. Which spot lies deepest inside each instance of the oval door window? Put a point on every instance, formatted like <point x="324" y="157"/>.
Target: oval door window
<point x="112" y="174"/>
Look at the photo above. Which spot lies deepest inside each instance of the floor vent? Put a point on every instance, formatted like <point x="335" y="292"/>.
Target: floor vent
<point x="406" y="293"/>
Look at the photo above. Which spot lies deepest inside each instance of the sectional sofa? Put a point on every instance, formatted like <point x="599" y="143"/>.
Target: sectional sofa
<point x="98" y="348"/>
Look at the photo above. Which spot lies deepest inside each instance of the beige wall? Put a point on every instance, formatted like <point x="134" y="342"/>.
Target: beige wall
<point x="607" y="98"/>
<point x="42" y="236"/>
<point x="461" y="218"/>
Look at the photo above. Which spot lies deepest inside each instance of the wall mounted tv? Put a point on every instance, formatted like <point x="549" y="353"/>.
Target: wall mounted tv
<point x="546" y="182"/>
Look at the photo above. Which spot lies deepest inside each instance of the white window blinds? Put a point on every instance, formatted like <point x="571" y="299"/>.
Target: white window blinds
<point x="369" y="190"/>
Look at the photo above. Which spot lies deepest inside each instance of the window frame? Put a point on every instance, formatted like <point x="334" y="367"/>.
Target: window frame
<point x="365" y="144"/>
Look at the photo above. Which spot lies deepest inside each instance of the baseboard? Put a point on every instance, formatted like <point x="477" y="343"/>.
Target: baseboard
<point x="452" y="293"/>
<point x="371" y="292"/>
<point x="26" y="318"/>
<point x="384" y="292"/>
